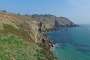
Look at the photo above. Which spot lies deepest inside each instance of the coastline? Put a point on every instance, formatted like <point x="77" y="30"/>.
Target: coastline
<point x="33" y="32"/>
<point x="53" y="48"/>
<point x="23" y="36"/>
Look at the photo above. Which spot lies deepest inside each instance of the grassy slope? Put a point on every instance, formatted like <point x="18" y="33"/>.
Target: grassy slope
<point x="15" y="43"/>
<point x="14" y="48"/>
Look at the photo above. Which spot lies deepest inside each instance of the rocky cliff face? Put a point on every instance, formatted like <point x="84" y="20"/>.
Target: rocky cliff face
<point x="51" y="21"/>
<point x="63" y="22"/>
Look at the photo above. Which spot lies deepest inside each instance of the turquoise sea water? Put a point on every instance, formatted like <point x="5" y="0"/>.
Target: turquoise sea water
<point x="72" y="43"/>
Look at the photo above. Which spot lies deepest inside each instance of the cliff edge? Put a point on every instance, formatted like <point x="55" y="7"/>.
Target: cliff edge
<point x="20" y="39"/>
<point x="51" y="21"/>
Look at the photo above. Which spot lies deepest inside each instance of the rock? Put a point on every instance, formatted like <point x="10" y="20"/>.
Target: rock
<point x="51" y="21"/>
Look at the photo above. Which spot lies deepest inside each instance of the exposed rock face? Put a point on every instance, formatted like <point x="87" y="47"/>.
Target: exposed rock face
<point x="63" y="22"/>
<point x="51" y="21"/>
<point x="34" y="32"/>
<point x="47" y="20"/>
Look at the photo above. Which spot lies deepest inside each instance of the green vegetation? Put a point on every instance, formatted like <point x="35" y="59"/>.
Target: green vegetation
<point x="15" y="48"/>
<point x="21" y="40"/>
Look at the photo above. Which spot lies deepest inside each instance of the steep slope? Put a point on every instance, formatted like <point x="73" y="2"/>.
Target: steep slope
<point x="51" y="21"/>
<point x="63" y="22"/>
<point x="21" y="40"/>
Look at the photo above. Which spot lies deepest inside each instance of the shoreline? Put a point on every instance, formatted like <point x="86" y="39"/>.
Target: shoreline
<point x="53" y="45"/>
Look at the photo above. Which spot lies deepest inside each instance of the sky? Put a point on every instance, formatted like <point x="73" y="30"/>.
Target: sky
<point x="77" y="11"/>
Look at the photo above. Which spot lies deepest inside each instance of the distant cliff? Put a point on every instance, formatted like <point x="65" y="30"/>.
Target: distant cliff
<point x="51" y="21"/>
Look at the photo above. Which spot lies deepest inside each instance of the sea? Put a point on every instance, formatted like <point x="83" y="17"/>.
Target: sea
<point x="71" y="43"/>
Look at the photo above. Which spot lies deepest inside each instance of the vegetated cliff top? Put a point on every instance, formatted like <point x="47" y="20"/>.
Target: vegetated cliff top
<point x="19" y="36"/>
<point x="20" y="25"/>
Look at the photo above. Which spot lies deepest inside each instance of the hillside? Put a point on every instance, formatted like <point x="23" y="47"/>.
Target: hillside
<point x="21" y="36"/>
<point x="21" y="40"/>
<point x="51" y="21"/>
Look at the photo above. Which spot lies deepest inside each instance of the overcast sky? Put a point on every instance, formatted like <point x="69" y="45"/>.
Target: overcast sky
<point x="76" y="10"/>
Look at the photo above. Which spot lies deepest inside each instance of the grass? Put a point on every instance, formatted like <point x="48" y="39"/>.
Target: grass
<point x="15" y="48"/>
<point x="15" y="45"/>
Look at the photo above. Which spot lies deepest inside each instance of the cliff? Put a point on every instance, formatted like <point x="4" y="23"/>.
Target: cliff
<point x="20" y="39"/>
<point x="51" y="21"/>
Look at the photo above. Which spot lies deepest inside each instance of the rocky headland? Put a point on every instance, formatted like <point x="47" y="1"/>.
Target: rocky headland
<point x="23" y="37"/>
<point x="51" y="22"/>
